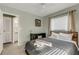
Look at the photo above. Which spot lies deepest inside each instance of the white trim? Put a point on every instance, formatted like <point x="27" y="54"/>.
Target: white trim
<point x="17" y="16"/>
<point x="10" y="13"/>
<point x="1" y="32"/>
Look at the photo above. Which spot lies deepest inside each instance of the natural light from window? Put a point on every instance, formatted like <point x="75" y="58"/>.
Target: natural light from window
<point x="59" y="23"/>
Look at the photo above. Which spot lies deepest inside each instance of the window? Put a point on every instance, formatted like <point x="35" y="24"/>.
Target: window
<point x="59" y="23"/>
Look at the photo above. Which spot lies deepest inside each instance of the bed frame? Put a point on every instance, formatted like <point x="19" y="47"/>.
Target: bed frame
<point x="74" y="37"/>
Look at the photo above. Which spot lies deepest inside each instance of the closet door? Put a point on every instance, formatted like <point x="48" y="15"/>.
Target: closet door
<point x="15" y="29"/>
<point x="1" y="32"/>
<point x="7" y="29"/>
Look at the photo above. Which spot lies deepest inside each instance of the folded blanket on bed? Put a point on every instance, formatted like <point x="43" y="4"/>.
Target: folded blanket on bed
<point x="42" y="43"/>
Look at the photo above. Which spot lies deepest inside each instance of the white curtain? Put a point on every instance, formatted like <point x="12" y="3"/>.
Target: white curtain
<point x="71" y="18"/>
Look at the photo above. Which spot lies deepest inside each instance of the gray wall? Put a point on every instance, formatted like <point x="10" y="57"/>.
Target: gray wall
<point x="26" y="22"/>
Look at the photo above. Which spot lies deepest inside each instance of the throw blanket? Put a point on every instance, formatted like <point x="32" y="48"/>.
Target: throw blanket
<point x="55" y="51"/>
<point x="42" y="43"/>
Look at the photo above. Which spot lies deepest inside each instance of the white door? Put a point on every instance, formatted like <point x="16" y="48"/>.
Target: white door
<point x="15" y="29"/>
<point x="1" y="32"/>
<point x="7" y="29"/>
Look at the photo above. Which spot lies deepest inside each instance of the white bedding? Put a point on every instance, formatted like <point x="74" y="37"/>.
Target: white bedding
<point x="42" y="43"/>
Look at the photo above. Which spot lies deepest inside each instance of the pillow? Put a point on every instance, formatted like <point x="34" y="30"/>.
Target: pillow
<point x="54" y="35"/>
<point x="64" y="34"/>
<point x="39" y="36"/>
<point x="65" y="37"/>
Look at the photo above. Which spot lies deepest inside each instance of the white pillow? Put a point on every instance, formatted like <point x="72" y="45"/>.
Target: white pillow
<point x="54" y="35"/>
<point x="39" y="37"/>
<point x="64" y="34"/>
<point x="65" y="37"/>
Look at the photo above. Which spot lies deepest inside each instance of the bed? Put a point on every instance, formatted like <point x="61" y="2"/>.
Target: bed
<point x="59" y="47"/>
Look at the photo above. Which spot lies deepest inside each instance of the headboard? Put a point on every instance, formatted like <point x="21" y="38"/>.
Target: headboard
<point x="34" y="36"/>
<point x="74" y="36"/>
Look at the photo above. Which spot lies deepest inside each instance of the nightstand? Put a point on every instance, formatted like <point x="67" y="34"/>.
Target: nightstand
<point x="75" y="37"/>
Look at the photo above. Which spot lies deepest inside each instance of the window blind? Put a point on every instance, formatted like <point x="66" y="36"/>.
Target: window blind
<point x="59" y="23"/>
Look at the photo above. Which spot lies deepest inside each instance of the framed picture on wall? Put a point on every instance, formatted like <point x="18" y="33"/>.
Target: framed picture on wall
<point x="37" y="22"/>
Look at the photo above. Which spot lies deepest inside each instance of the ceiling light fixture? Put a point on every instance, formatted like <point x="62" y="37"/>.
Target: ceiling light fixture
<point x="43" y="5"/>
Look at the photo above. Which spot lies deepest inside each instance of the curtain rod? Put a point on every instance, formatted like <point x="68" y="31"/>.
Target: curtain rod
<point x="63" y="13"/>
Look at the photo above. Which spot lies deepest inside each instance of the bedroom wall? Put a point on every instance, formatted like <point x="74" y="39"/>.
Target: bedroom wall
<point x="46" y="18"/>
<point x="46" y="24"/>
<point x="26" y="22"/>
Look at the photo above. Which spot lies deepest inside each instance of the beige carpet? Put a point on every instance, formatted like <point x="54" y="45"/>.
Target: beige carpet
<point x="13" y="49"/>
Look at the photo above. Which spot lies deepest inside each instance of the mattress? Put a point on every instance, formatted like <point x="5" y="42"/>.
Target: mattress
<point x="59" y="47"/>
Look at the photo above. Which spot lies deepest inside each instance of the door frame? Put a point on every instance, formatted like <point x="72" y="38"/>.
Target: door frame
<point x="16" y="16"/>
<point x="1" y="32"/>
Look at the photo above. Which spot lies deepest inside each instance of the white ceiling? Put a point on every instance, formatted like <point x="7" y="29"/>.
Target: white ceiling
<point x="39" y="9"/>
